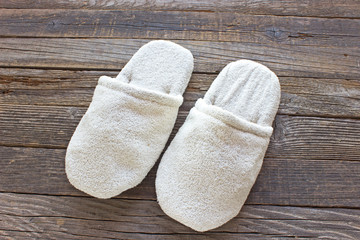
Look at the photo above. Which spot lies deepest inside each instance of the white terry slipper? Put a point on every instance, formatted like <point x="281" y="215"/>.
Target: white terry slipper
<point x="212" y="163"/>
<point x="129" y="121"/>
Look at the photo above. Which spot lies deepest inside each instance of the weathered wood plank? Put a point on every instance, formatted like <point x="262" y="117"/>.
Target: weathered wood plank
<point x="294" y="136"/>
<point x="139" y="236"/>
<point x="202" y="26"/>
<point x="53" y="234"/>
<point x="300" y="96"/>
<point x="282" y="181"/>
<point x="111" y="218"/>
<point x="112" y="54"/>
<point x="323" y="8"/>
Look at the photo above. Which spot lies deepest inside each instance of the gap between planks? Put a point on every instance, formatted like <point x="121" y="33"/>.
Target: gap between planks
<point x="154" y="200"/>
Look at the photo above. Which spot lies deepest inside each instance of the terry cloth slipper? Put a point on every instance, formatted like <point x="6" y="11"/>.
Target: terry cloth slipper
<point x="129" y="121"/>
<point x="212" y="163"/>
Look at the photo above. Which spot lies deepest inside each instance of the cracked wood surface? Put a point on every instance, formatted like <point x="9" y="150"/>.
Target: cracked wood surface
<point x="53" y="52"/>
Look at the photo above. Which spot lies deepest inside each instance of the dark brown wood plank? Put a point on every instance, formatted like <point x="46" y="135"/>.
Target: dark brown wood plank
<point x="323" y="8"/>
<point x="211" y="57"/>
<point x="11" y="234"/>
<point x="48" y="215"/>
<point x="294" y="136"/>
<point x="300" y="96"/>
<point x="53" y="234"/>
<point x="202" y="26"/>
<point x="285" y="180"/>
<point x="36" y="125"/>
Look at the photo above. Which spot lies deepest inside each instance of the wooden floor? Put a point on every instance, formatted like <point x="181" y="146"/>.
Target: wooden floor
<point x="52" y="53"/>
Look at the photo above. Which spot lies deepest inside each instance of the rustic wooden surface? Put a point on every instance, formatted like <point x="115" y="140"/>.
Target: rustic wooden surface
<point x="52" y="53"/>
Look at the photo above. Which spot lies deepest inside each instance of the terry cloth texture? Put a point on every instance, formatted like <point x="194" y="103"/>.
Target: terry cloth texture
<point x="212" y="163"/>
<point x="129" y="121"/>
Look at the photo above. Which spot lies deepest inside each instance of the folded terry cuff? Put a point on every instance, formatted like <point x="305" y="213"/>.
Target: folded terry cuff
<point x="233" y="120"/>
<point x="139" y="92"/>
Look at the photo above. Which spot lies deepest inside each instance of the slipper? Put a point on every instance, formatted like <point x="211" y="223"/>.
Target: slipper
<point x="129" y="121"/>
<point x="212" y="163"/>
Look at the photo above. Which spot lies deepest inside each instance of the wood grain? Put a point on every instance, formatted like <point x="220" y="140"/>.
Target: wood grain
<point x="282" y="180"/>
<point x="69" y="217"/>
<point x="300" y="96"/>
<point x="210" y="57"/>
<point x="202" y="26"/>
<point x="319" y="8"/>
<point x="52" y="53"/>
<point x="294" y="136"/>
<point x="141" y="236"/>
